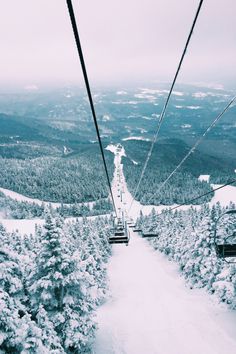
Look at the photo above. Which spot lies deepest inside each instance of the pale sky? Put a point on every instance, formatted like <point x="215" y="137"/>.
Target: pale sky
<point x="123" y="40"/>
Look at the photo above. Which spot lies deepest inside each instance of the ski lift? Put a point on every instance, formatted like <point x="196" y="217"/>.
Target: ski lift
<point x="130" y="223"/>
<point x="137" y="229"/>
<point x="121" y="233"/>
<point x="150" y="234"/>
<point x="227" y="249"/>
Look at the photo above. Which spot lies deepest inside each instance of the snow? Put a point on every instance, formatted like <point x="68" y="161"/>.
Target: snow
<point x="136" y="138"/>
<point x="193" y="107"/>
<point x="205" y="178"/>
<point x="150" y="310"/>
<point x="121" y="92"/>
<point x="27" y="226"/>
<point x="106" y="117"/>
<point x="200" y="94"/>
<point x="153" y="91"/>
<point x="177" y="93"/>
<point x="211" y="94"/>
<point x="24" y="226"/>
<point x="22" y="198"/>
<point x="186" y="126"/>
<point x="155" y="115"/>
<point x="211" y="85"/>
<point x="145" y="96"/>
<point x="125" y="102"/>
<point x="224" y="195"/>
<point x="111" y="148"/>
<point x="147" y="118"/>
<point x="147" y="91"/>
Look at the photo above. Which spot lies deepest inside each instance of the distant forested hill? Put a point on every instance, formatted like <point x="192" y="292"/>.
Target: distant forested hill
<point x="71" y="179"/>
<point x="184" y="185"/>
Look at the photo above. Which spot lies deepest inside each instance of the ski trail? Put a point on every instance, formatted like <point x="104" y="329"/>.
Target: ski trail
<point x="151" y="311"/>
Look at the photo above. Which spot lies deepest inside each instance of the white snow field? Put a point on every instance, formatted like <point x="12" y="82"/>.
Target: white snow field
<point x="27" y="226"/>
<point x="22" y="198"/>
<point x="150" y="310"/>
<point x="205" y="178"/>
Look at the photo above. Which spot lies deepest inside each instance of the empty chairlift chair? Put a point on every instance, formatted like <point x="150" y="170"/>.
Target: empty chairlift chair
<point x="137" y="228"/>
<point x="131" y="223"/>
<point x="150" y="233"/>
<point x="120" y="234"/>
<point x="225" y="245"/>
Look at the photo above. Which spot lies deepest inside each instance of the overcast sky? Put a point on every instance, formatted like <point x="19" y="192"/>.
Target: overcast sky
<point x="123" y="40"/>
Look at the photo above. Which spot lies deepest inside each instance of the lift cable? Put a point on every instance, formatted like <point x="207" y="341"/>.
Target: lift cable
<point x="166" y="103"/>
<point x="194" y="147"/>
<point x="82" y="62"/>
<point x="202" y="195"/>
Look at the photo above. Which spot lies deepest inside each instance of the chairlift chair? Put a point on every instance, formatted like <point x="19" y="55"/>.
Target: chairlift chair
<point x="137" y="229"/>
<point x="131" y="223"/>
<point x="150" y="234"/>
<point x="227" y="249"/>
<point x="120" y="235"/>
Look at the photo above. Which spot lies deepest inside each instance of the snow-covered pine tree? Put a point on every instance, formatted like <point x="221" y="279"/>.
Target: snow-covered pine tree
<point x="61" y="284"/>
<point x="50" y="338"/>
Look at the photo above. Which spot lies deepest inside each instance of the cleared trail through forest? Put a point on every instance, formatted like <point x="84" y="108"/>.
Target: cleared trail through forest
<point x="151" y="311"/>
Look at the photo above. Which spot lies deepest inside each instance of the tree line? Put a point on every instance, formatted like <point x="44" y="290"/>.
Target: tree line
<point x="56" y="179"/>
<point x="13" y="209"/>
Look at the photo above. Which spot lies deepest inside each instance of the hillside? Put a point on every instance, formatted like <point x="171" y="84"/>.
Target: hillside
<point x="167" y="154"/>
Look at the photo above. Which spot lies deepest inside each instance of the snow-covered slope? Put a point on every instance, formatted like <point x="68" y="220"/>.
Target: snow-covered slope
<point x="151" y="311"/>
<point x="22" y="198"/>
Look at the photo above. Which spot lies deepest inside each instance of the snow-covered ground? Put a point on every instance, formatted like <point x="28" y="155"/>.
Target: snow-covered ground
<point x="150" y="310"/>
<point x="136" y="138"/>
<point x="205" y="178"/>
<point x="27" y="226"/>
<point x="224" y="195"/>
<point x="24" y="226"/>
<point x="22" y="198"/>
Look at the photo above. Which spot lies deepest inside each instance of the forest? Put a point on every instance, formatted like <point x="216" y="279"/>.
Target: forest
<point x="51" y="285"/>
<point x="13" y="209"/>
<point x="71" y="179"/>
<point x="184" y="185"/>
<point x="187" y="238"/>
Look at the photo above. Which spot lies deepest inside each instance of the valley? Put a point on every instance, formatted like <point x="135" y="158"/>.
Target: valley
<point x="55" y="208"/>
